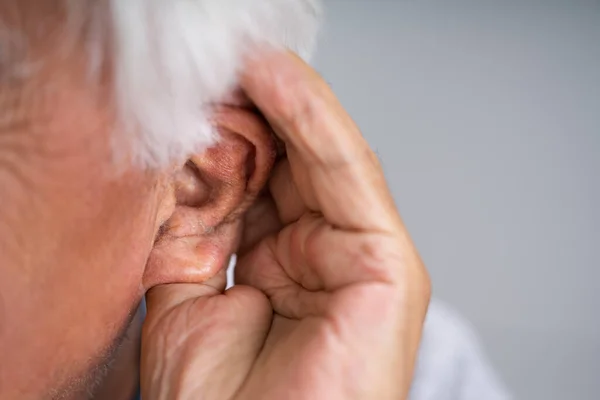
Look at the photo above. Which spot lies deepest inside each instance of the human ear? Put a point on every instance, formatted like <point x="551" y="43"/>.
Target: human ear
<point x="211" y="192"/>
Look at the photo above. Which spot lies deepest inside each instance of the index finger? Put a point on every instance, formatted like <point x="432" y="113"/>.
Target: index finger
<point x="303" y="111"/>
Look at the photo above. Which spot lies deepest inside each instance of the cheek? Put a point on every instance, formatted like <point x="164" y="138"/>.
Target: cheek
<point x="111" y="254"/>
<point x="79" y="234"/>
<point x="110" y="248"/>
<point x="82" y="284"/>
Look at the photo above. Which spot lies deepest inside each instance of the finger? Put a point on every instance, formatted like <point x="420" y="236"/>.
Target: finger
<point x="232" y="337"/>
<point x="341" y="258"/>
<point x="300" y="106"/>
<point x="310" y="256"/>
<point x="284" y="190"/>
<point x="163" y="298"/>
<point x="262" y="270"/>
<point x="345" y="174"/>
<point x="208" y="346"/>
<point x="316" y="256"/>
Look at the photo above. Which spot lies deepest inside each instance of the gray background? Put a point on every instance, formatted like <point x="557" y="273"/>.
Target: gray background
<point x="486" y="115"/>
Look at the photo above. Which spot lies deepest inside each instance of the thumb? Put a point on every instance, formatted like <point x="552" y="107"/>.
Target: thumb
<point x="163" y="298"/>
<point x="201" y="341"/>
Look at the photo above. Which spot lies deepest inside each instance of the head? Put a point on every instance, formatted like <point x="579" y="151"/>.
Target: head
<point x="124" y="164"/>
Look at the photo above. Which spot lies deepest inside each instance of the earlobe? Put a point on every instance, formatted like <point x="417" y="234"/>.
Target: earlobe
<point x="212" y="191"/>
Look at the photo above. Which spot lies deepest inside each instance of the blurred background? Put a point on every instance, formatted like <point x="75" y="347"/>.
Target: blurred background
<point x="486" y="115"/>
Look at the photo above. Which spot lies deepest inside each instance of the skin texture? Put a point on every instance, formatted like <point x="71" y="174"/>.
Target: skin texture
<point x="83" y="237"/>
<point x="331" y="299"/>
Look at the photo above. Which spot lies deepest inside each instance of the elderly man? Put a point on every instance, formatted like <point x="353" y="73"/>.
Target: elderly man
<point x="144" y="142"/>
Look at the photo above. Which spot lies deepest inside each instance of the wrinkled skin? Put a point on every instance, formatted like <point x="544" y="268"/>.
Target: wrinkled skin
<point x="334" y="292"/>
<point x="83" y="237"/>
<point x="331" y="292"/>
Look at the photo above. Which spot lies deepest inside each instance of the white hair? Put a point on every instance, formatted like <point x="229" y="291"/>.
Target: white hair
<point x="172" y="59"/>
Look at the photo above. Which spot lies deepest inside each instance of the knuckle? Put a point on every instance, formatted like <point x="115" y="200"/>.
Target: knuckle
<point x="374" y="255"/>
<point x="386" y="258"/>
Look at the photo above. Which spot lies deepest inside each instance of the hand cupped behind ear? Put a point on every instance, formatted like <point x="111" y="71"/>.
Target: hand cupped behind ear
<point x="212" y="191"/>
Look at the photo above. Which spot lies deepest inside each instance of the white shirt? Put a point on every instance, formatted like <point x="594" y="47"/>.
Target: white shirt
<point x="451" y="363"/>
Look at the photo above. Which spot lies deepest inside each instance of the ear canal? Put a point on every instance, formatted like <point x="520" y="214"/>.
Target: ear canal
<point x="190" y="188"/>
<point x="224" y="169"/>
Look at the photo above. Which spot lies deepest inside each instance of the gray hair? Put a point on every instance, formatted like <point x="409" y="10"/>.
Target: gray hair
<point x="171" y="59"/>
